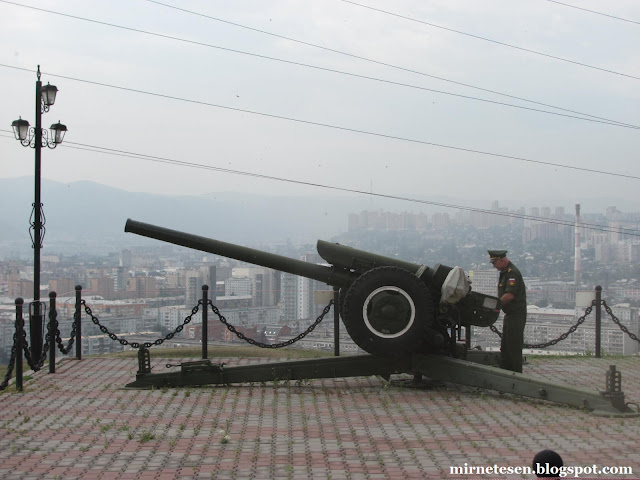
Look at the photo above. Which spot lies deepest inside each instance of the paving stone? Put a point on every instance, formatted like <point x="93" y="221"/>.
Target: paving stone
<point x="80" y="424"/>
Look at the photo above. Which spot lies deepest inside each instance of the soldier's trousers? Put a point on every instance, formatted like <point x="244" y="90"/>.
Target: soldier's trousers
<point x="512" y="341"/>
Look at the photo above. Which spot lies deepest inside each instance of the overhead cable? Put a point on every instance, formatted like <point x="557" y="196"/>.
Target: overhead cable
<point x="593" y="11"/>
<point x="181" y="163"/>
<point x="347" y="129"/>
<point x="606" y="120"/>
<point x="493" y="41"/>
<point x="158" y="159"/>
<point x="265" y="57"/>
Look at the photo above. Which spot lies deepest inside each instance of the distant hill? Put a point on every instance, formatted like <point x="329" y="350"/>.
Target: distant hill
<point x="92" y="214"/>
<point x="88" y="216"/>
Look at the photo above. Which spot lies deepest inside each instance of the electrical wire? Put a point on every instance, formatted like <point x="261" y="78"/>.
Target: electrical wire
<point x="181" y="163"/>
<point x="611" y="122"/>
<point x="154" y="158"/>
<point x="592" y="118"/>
<point x="347" y="129"/>
<point x="478" y="37"/>
<point x="593" y="11"/>
<point x="395" y="67"/>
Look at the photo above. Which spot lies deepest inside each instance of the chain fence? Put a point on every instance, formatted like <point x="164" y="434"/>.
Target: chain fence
<point x="12" y="362"/>
<point x="291" y="341"/>
<point x="214" y="309"/>
<point x="136" y="345"/>
<point x="53" y="334"/>
<point x="23" y="344"/>
<point x="574" y="327"/>
<point x="619" y="323"/>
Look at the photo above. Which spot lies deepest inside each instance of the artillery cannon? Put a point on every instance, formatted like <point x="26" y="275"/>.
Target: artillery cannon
<point x="406" y="316"/>
<point x="389" y="307"/>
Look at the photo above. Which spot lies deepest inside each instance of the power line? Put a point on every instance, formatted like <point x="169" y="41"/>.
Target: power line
<point x="347" y="129"/>
<point x="397" y="67"/>
<point x="608" y="122"/>
<point x="593" y="11"/>
<point x="153" y="158"/>
<point x="492" y="41"/>
<point x="591" y="118"/>
<point x="181" y="163"/>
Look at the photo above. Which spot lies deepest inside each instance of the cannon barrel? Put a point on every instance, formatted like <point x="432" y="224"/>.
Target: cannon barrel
<point x="360" y="261"/>
<point x="326" y="274"/>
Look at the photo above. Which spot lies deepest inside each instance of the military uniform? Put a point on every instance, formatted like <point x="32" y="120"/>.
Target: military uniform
<point x="515" y="314"/>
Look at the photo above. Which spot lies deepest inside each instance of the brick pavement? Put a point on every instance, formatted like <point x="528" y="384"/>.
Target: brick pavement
<point x="79" y="423"/>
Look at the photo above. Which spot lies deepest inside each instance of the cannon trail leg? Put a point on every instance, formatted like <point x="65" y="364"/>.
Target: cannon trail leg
<point x="207" y="373"/>
<point x="463" y="372"/>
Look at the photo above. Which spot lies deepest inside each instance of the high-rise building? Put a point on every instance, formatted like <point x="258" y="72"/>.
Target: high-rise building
<point x="238" y="286"/>
<point x="126" y="258"/>
<point x="120" y="279"/>
<point x="142" y="286"/>
<point x="484" y="281"/>
<point x="264" y="284"/>
<point x="298" y="301"/>
<point x="62" y="286"/>
<point x="289" y="298"/>
<point x="193" y="288"/>
<point x="103" y="286"/>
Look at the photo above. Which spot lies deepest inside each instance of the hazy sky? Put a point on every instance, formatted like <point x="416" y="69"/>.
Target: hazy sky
<point x="262" y="115"/>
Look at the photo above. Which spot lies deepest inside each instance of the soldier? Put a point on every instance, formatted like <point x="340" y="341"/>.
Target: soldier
<point x="513" y="300"/>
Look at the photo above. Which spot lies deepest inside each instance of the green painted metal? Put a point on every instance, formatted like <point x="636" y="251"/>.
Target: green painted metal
<point x="349" y="258"/>
<point x="328" y="275"/>
<point x="205" y="372"/>
<point x="464" y="372"/>
<point x="435" y="367"/>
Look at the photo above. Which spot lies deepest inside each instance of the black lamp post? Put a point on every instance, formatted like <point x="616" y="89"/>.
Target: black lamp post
<point x="36" y="138"/>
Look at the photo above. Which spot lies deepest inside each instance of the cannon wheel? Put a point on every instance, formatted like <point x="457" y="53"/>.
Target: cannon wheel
<point x="341" y="296"/>
<point x="387" y="311"/>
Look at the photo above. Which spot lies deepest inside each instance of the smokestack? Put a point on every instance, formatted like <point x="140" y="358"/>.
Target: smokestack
<point x="577" y="270"/>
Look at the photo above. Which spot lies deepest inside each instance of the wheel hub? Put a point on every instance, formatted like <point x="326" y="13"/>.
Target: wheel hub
<point x="388" y="312"/>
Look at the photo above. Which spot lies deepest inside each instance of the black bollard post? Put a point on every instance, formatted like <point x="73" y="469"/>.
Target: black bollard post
<point x="336" y="322"/>
<point x="53" y="313"/>
<point x="76" y="318"/>
<point x="598" y="318"/>
<point x="19" y="343"/>
<point x="36" y="327"/>
<point x="205" y="320"/>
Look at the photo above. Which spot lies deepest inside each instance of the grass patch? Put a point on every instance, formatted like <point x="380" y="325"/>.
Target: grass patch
<point x="3" y="372"/>
<point x="226" y="352"/>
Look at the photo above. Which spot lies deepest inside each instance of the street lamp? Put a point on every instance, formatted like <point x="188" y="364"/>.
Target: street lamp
<point x="36" y="138"/>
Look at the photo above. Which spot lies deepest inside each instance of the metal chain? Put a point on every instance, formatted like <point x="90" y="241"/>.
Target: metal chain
<point x="58" y="338"/>
<point x="45" y="350"/>
<point x="495" y="330"/>
<point x="556" y="340"/>
<point x="12" y="362"/>
<point x="242" y="336"/>
<point x="617" y="322"/>
<point x="124" y="341"/>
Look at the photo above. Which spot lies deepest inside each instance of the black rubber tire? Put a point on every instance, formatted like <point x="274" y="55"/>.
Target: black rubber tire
<point x="341" y="296"/>
<point x="388" y="311"/>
